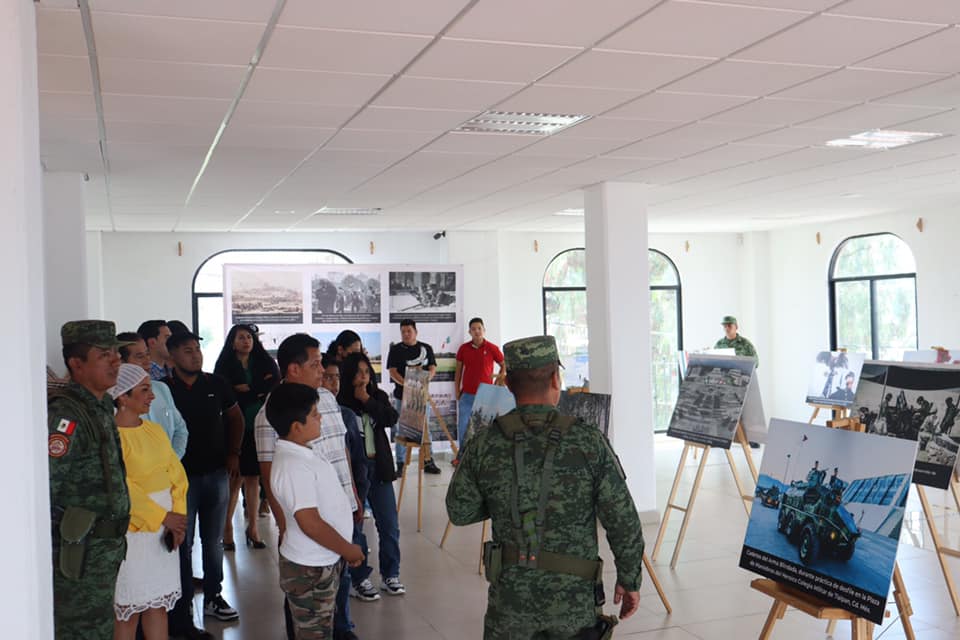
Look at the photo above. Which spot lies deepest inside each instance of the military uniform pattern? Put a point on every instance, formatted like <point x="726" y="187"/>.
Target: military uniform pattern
<point x="587" y="485"/>
<point x="83" y="441"/>
<point x="311" y="594"/>
<point x="740" y="345"/>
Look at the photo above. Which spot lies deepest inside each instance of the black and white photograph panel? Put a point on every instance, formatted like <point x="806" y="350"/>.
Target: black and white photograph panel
<point x="827" y="514"/>
<point x="711" y="399"/>
<point x="424" y="296"/>
<point x="592" y="408"/>
<point x="266" y="296"/>
<point x="345" y="297"/>
<point x="834" y="378"/>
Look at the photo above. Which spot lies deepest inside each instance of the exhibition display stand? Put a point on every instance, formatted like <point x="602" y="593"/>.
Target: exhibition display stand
<point x="410" y="445"/>
<point x="940" y="548"/>
<point x="838" y="411"/>
<point x="741" y="438"/>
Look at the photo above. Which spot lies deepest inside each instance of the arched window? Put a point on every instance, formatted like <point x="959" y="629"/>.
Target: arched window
<point x="565" y="312"/>
<point x="208" y="313"/>
<point x="873" y="296"/>
<point x="666" y="335"/>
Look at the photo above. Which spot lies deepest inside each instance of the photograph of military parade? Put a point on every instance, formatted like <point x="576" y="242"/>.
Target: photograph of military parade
<point x="828" y="513"/>
<point x="592" y="408"/>
<point x="348" y="298"/>
<point x="711" y="399"/>
<point x="266" y="296"/>
<point x="834" y="378"/>
<point x="921" y="404"/>
<point x="425" y="296"/>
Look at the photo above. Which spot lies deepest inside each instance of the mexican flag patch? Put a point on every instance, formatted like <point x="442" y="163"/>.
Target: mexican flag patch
<point x="66" y="426"/>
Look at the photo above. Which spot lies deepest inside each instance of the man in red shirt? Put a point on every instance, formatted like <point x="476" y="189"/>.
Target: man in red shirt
<point x="474" y="365"/>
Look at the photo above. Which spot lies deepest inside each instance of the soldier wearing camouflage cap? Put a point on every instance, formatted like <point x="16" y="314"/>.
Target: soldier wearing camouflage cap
<point x="89" y="502"/>
<point x="733" y="340"/>
<point x="545" y="479"/>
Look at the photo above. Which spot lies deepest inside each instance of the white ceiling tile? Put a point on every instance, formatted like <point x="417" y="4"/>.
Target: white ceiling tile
<point x="542" y="98"/>
<point x="942" y="93"/>
<point x="153" y="78"/>
<point x="707" y="30"/>
<point x="490" y="61"/>
<point x="406" y="141"/>
<point x="163" y="109"/>
<point x="856" y="85"/>
<point x="689" y="139"/>
<point x="794" y="137"/>
<point x="948" y="122"/>
<point x="741" y="78"/>
<point x="800" y="5"/>
<point x="679" y="107"/>
<point x="940" y="11"/>
<point x="566" y="22"/>
<point x="68" y="105"/>
<point x="938" y="53"/>
<point x="232" y="10"/>
<point x="871" y="116"/>
<point x="291" y="114"/>
<point x="622" y="70"/>
<point x="435" y="93"/>
<point x="160" y="133"/>
<point x="622" y="129"/>
<point x="324" y="50"/>
<point x="372" y="15"/>
<point x="71" y="156"/>
<point x="777" y="111"/>
<point x="64" y="73"/>
<point x="401" y="119"/>
<point x="566" y="147"/>
<point x="175" y="39"/>
<point x="729" y="155"/>
<point x="70" y="130"/>
<point x="60" y="32"/>
<point x="463" y="142"/>
<point x="318" y="87"/>
<point x="304" y="138"/>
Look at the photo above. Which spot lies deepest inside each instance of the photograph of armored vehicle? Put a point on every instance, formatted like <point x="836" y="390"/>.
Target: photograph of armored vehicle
<point x="813" y="517"/>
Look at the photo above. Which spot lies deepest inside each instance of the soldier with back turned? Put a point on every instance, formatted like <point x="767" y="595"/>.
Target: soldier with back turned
<point x="545" y="479"/>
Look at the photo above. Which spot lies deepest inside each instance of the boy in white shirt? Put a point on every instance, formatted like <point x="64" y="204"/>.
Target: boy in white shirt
<point x="317" y="512"/>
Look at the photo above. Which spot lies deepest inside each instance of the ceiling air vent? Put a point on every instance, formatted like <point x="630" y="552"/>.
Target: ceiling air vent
<point x="517" y="123"/>
<point x="348" y="211"/>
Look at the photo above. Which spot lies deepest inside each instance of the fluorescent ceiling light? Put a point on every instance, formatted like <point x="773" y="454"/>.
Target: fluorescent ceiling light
<point x="883" y="139"/>
<point x="518" y="123"/>
<point x="570" y="212"/>
<point x="348" y="211"/>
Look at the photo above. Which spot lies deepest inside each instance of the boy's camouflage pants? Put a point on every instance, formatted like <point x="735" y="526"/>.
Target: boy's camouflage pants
<point x="311" y="593"/>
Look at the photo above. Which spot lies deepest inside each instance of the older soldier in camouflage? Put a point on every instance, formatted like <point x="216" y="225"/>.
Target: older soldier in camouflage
<point x="90" y="506"/>
<point x="545" y="479"/>
<point x="733" y="340"/>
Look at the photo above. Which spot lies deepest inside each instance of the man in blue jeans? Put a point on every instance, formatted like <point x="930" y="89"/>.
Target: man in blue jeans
<point x="215" y="427"/>
<point x="475" y="361"/>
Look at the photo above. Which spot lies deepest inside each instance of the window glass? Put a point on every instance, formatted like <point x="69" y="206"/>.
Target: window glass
<point x="876" y="255"/>
<point x="566" y="320"/>
<point x="569" y="269"/>
<point x="662" y="271"/>
<point x="897" y="315"/>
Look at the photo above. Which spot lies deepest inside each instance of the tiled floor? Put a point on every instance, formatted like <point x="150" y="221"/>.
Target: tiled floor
<point x="711" y="596"/>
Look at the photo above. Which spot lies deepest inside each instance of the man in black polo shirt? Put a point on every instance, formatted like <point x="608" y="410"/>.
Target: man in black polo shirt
<point x="410" y="352"/>
<point x="215" y="427"/>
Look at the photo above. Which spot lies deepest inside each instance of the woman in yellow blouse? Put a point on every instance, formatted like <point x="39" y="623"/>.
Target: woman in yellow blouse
<point x="148" y="584"/>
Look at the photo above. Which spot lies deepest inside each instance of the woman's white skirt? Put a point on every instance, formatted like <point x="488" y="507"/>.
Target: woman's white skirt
<point x="149" y="577"/>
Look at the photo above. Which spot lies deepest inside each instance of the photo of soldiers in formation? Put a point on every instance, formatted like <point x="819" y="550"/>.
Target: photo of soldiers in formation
<point x="834" y="378"/>
<point x="345" y="297"/>
<point x="711" y="399"/>
<point x="266" y="297"/>
<point x="592" y="408"/>
<point x="413" y="407"/>
<point x="491" y="401"/>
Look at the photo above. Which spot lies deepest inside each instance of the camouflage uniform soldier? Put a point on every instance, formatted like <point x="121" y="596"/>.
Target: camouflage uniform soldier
<point x="544" y="479"/>
<point x="733" y="340"/>
<point x="90" y="506"/>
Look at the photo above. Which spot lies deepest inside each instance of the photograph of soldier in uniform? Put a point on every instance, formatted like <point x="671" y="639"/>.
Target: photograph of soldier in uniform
<point x="835" y="532"/>
<point x="348" y="298"/>
<point x="592" y="408"/>
<point x="919" y="404"/>
<point x="711" y="399"/>
<point x="424" y="296"/>
<point x="266" y="296"/>
<point x="834" y="378"/>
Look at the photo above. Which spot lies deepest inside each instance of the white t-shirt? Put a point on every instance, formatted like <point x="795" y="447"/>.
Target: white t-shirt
<point x="303" y="479"/>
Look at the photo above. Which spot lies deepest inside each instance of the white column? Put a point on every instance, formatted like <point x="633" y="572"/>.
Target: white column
<point x="65" y="257"/>
<point x="618" y="318"/>
<point x="95" y="275"/>
<point x="26" y="606"/>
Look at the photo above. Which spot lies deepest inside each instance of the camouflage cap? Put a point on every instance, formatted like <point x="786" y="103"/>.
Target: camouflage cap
<point x="530" y="353"/>
<point x="99" y="333"/>
<point x="729" y="320"/>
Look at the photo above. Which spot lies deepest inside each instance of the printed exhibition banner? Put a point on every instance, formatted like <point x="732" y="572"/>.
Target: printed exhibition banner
<point x="491" y="402"/>
<point x="266" y="295"/>
<point x="711" y="399"/>
<point x="413" y="406"/>
<point x="592" y="408"/>
<point x="834" y="378"/>
<point x="424" y="296"/>
<point x="342" y="297"/>
<point x="918" y="403"/>
<point x="827" y="514"/>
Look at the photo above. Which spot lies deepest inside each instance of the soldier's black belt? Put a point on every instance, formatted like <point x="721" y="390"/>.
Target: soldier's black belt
<point x="115" y="528"/>
<point x="552" y="562"/>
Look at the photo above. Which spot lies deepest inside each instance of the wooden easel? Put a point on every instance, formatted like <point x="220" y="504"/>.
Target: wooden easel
<point x="740" y="437"/>
<point x="483" y="538"/>
<point x="410" y="445"/>
<point x="941" y="549"/>
<point x="839" y="412"/>
<point x="784" y="596"/>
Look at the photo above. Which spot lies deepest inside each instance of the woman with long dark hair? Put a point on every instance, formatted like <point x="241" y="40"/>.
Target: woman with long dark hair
<point x="343" y="345"/>
<point x="253" y="374"/>
<point x="376" y="415"/>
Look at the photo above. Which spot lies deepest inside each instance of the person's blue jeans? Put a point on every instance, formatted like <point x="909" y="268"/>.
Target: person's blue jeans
<point x="207" y="501"/>
<point x="383" y="503"/>
<point x="464" y="407"/>
<point x="341" y="613"/>
<point x="401" y="450"/>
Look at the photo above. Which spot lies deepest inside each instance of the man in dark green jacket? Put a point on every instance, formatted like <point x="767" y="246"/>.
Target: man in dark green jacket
<point x="733" y="340"/>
